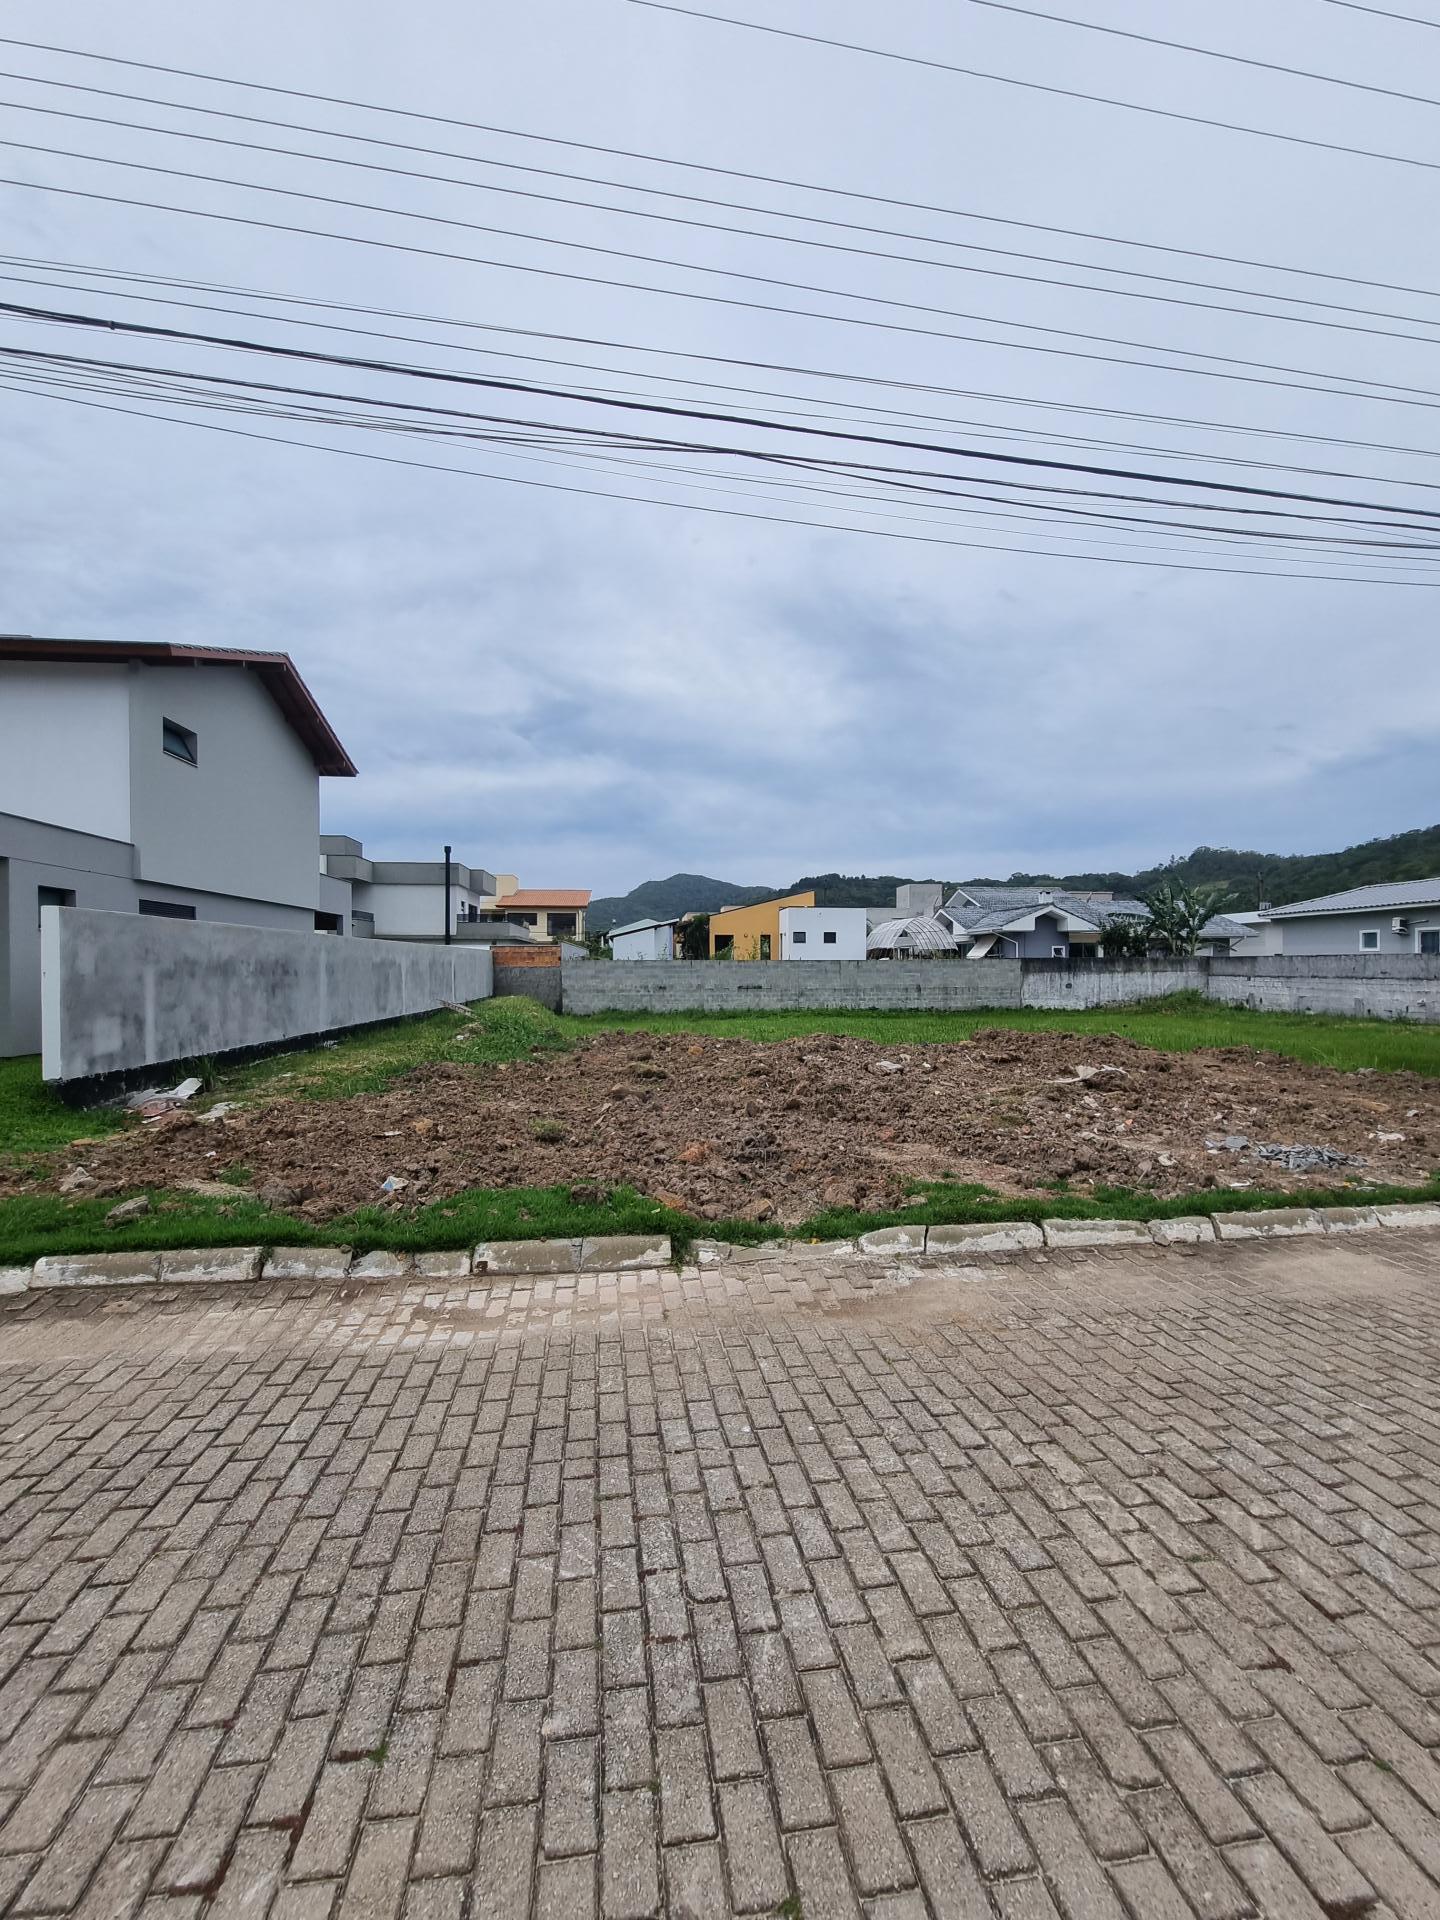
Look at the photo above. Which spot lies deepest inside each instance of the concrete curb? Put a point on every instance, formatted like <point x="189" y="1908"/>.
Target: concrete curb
<point x="627" y="1252"/>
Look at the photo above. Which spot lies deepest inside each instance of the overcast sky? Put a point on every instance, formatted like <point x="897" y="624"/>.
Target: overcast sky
<point x="593" y="692"/>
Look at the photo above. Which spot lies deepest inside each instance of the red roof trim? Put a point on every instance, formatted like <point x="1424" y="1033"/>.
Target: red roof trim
<point x="539" y="897"/>
<point x="277" y="671"/>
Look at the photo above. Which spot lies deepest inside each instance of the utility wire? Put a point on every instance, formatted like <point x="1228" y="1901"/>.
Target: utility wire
<point x="1209" y="53"/>
<point x="1040" y="86"/>
<point x="139" y="329"/>
<point x="1384" y="13"/>
<point x="710" y="200"/>
<point x="907" y="478"/>
<point x="356" y="453"/>
<point x="1393" y="393"/>
<point x="829" y="374"/>
<point x="691" y="166"/>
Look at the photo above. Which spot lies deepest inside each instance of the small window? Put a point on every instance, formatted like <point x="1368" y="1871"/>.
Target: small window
<point x="180" y="743"/>
<point x="1058" y="953"/>
<point x="764" y="946"/>
<point x="1370" y="940"/>
<point x="53" y="897"/>
<point x="799" y="938"/>
<point x="1429" y="940"/>
<point x="167" y="910"/>
<point x="829" y="938"/>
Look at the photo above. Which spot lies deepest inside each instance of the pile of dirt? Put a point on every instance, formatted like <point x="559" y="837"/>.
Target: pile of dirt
<point x="729" y="1128"/>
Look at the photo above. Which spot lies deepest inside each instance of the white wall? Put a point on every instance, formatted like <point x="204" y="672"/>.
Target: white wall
<point x="847" y="924"/>
<point x="65" y="746"/>
<point x="245" y="821"/>
<point x="646" y="943"/>
<point x="412" y="913"/>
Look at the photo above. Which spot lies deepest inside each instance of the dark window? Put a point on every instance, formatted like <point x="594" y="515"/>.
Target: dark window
<point x="167" y="910"/>
<point x="53" y="897"/>
<point x="829" y="938"/>
<point x="329" y="922"/>
<point x="1429" y="938"/>
<point x="561" y="922"/>
<point x="1370" y="940"/>
<point x="180" y="743"/>
<point x="798" y="938"/>
<point x="764" y="946"/>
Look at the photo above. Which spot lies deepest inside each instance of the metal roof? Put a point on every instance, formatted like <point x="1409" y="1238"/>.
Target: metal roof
<point x="1394" y="894"/>
<point x="993" y="909"/>
<point x="276" y="672"/>
<point x="920" y="933"/>
<point x="641" y="926"/>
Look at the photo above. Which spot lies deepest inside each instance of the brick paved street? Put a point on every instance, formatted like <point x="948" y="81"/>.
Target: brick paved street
<point x="1091" y="1584"/>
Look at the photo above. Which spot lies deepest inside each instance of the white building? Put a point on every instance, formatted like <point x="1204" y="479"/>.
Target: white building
<point x="822" y="933"/>
<point x="176" y="781"/>
<point x="644" y="940"/>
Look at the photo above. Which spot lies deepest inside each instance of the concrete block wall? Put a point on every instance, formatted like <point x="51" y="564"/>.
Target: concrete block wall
<point x="1108" y="983"/>
<point x="532" y="972"/>
<point x="1381" y="985"/>
<point x="120" y="991"/>
<point x="739" y="986"/>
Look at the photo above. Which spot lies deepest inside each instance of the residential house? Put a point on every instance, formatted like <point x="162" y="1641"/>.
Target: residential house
<point x="822" y="933"/>
<point x="144" y="777"/>
<point x="556" y="913"/>
<point x="752" y="933"/>
<point x="405" y="899"/>
<point x="644" y="940"/>
<point x="1049" y="923"/>
<point x="1402" y="916"/>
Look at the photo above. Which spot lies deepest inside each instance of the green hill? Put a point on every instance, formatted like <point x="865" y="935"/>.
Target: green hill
<point x="1249" y="878"/>
<point x="668" y="899"/>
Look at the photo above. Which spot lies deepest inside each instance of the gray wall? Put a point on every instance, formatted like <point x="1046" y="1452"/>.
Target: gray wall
<point x="1402" y="987"/>
<point x="100" y="873"/>
<point x="1339" y="933"/>
<point x="734" y="986"/>
<point x="246" y="820"/>
<point x="122" y="991"/>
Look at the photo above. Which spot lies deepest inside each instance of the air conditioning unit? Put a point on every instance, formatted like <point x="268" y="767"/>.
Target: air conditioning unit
<point x="1399" y="924"/>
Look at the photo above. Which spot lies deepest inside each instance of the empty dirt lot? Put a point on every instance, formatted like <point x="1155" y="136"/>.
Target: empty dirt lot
<point x="733" y="1128"/>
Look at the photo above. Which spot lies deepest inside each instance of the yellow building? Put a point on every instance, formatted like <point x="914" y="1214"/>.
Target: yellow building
<point x="752" y="933"/>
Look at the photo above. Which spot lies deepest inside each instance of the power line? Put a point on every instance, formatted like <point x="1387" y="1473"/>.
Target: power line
<point x="1209" y="53"/>
<point x="669" y="410"/>
<point x="1395" y="395"/>
<point x="691" y="166"/>
<point x="710" y="200"/>
<point x="356" y="453"/>
<point x="1040" y="86"/>
<point x="821" y="373"/>
<point x="1384" y="13"/>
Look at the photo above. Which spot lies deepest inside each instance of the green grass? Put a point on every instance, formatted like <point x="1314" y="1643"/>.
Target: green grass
<point x="33" y="1124"/>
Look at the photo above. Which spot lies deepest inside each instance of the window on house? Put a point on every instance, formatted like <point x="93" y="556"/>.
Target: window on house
<point x="53" y="897"/>
<point x="1429" y="941"/>
<point x="167" y="910"/>
<point x="1370" y="940"/>
<point x="1058" y="953"/>
<point x="329" y="922"/>
<point x="180" y="743"/>
<point x="829" y="938"/>
<point x="764" y="946"/>
<point x="799" y="938"/>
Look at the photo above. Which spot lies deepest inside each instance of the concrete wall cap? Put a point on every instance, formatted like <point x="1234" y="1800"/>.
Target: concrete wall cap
<point x="903" y="1239"/>
<point x="1268" y="1223"/>
<point x="1096" y="1233"/>
<point x="984" y="1236"/>
<point x="1185" y="1230"/>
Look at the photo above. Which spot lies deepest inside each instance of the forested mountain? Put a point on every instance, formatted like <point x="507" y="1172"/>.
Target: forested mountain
<point x="1248" y="878"/>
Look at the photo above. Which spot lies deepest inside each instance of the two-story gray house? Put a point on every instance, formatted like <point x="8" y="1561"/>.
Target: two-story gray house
<point x="149" y="778"/>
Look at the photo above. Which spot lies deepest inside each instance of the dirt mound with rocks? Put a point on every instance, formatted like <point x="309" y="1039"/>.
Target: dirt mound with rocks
<point x="730" y="1128"/>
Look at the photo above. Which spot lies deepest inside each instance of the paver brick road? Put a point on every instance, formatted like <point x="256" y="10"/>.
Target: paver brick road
<point x="1090" y="1585"/>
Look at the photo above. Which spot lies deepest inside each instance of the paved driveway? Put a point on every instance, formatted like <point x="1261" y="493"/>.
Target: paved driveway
<point x="1098" y="1584"/>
